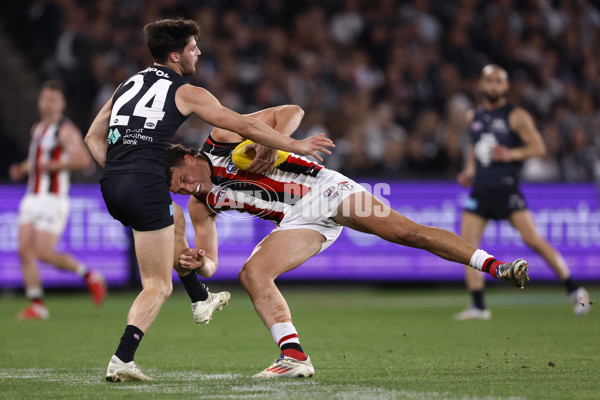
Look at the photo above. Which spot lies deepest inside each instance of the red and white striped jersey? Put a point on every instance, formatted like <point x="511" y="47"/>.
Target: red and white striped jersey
<point x="268" y="196"/>
<point x="44" y="147"/>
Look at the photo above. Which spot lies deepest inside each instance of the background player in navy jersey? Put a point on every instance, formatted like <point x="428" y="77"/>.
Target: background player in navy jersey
<point x="130" y="137"/>
<point x="56" y="149"/>
<point x="310" y="205"/>
<point x="503" y="137"/>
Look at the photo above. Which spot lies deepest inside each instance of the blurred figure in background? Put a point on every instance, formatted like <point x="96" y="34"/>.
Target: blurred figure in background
<point x="503" y="137"/>
<point x="56" y="149"/>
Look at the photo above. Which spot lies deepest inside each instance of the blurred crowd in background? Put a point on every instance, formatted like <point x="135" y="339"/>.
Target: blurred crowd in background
<point x="388" y="80"/>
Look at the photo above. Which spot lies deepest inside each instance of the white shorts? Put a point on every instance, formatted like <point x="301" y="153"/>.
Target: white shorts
<point x="319" y="205"/>
<point x="47" y="212"/>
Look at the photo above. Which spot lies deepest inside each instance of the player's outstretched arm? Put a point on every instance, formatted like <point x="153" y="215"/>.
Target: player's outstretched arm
<point x="192" y="99"/>
<point x="97" y="135"/>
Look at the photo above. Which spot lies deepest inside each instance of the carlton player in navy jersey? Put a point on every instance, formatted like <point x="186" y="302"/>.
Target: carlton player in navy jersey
<point x="503" y="137"/>
<point x="309" y="205"/>
<point x="56" y="149"/>
<point x="130" y="138"/>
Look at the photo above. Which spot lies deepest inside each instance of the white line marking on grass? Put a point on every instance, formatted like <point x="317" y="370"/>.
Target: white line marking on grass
<point x="231" y="386"/>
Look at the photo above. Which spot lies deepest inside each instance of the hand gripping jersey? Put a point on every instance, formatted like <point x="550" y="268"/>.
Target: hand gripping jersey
<point x="488" y="129"/>
<point x="143" y="121"/>
<point x="44" y="147"/>
<point x="268" y="196"/>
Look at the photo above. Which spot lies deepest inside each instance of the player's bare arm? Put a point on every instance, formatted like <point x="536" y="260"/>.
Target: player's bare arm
<point x="283" y="119"/>
<point x="533" y="146"/>
<point x="465" y="177"/>
<point x="191" y="99"/>
<point x="97" y="135"/>
<point x="17" y="171"/>
<point x="69" y="137"/>
<point x="204" y="258"/>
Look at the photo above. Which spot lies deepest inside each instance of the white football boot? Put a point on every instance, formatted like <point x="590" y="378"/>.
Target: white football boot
<point x="287" y="367"/>
<point x="118" y="371"/>
<point x="514" y="272"/>
<point x="203" y="310"/>
<point x="473" y="313"/>
<point x="581" y="301"/>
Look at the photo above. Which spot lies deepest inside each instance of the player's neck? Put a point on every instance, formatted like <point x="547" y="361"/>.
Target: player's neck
<point x="50" y="119"/>
<point x="174" y="67"/>
<point x="491" y="106"/>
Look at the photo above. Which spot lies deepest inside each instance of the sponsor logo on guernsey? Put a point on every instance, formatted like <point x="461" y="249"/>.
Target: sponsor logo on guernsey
<point x="499" y="126"/>
<point x="345" y="186"/>
<point x="230" y="167"/>
<point x="476" y="126"/>
<point x="329" y="192"/>
<point x="113" y="136"/>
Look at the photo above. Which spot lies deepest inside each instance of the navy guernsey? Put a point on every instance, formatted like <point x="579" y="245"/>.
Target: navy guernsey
<point x="143" y="121"/>
<point x="488" y="129"/>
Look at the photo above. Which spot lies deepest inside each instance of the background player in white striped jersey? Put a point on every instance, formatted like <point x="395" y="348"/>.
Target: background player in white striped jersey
<point x="56" y="149"/>
<point x="310" y="205"/>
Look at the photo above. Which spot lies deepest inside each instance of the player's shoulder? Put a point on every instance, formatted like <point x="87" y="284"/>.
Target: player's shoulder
<point x="68" y="127"/>
<point x="470" y="116"/>
<point x="518" y="115"/>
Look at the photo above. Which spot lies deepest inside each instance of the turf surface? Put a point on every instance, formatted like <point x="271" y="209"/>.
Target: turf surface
<point x="365" y="344"/>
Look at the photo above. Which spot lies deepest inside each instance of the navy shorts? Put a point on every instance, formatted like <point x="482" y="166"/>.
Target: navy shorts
<point x="141" y="201"/>
<point x="495" y="203"/>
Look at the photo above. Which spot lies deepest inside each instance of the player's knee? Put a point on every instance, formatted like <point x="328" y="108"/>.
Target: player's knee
<point x="250" y="277"/>
<point x="47" y="255"/>
<point x="161" y="288"/>
<point x="27" y="254"/>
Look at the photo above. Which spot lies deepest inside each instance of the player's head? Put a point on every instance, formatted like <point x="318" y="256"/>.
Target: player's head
<point x="52" y="99"/>
<point x="187" y="171"/>
<point x="174" y="42"/>
<point x="493" y="83"/>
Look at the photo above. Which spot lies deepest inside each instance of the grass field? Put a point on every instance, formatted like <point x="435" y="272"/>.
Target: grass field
<point x="365" y="344"/>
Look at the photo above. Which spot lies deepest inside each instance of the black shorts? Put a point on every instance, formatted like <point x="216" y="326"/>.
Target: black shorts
<point x="495" y="203"/>
<point x="141" y="201"/>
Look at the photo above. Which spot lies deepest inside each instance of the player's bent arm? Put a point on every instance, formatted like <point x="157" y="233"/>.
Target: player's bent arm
<point x="533" y="146"/>
<point x="70" y="139"/>
<point x="283" y="119"/>
<point x="191" y="99"/>
<point x="465" y="177"/>
<point x="17" y="171"/>
<point x="181" y="244"/>
<point x="97" y="135"/>
<point x="205" y="235"/>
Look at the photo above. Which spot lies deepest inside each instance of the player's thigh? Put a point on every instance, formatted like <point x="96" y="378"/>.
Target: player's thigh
<point x="26" y="239"/>
<point x="155" y="252"/>
<point x="44" y="242"/>
<point x="283" y="251"/>
<point x="365" y="213"/>
<point x="522" y="221"/>
<point x="472" y="227"/>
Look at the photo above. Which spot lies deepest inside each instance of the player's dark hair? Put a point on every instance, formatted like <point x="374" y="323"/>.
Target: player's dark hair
<point x="175" y="158"/>
<point x="55" y="85"/>
<point x="169" y="35"/>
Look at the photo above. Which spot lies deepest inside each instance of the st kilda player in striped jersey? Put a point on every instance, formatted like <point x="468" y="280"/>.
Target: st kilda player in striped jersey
<point x="310" y="205"/>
